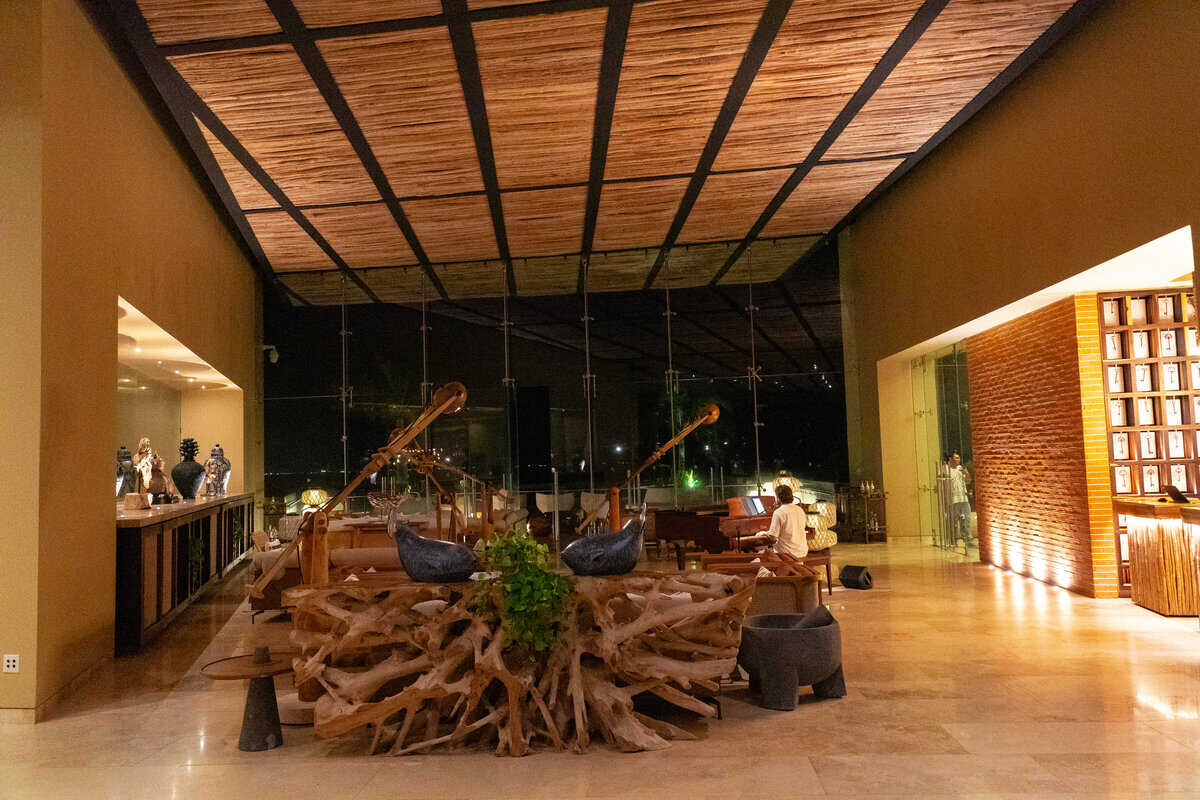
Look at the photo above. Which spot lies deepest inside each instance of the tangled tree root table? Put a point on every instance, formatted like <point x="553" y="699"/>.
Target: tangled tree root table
<point x="413" y="661"/>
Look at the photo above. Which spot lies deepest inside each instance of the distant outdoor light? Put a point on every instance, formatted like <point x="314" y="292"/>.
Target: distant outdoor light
<point x="314" y="497"/>
<point x="618" y="448"/>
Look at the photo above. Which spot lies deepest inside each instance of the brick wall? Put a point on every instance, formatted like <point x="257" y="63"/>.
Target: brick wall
<point x="1031" y="458"/>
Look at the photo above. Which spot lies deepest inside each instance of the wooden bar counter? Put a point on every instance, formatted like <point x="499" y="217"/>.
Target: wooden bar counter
<point x="168" y="554"/>
<point x="1163" y="541"/>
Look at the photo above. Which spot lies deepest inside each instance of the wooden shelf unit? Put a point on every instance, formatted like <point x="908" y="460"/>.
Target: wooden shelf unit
<point x="1164" y="316"/>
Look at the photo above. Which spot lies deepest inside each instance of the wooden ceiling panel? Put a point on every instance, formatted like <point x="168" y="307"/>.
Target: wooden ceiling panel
<point x="766" y="261"/>
<point x="827" y="194"/>
<point x="680" y="57"/>
<point x="285" y="243"/>
<point x="324" y="13"/>
<point x="399" y="285"/>
<point x="967" y="46"/>
<point x="174" y="21"/>
<point x="636" y="214"/>
<point x="728" y="205"/>
<point x="539" y="85"/>
<point x="819" y="59"/>
<point x="404" y="91"/>
<point x="267" y="99"/>
<point x="551" y="275"/>
<point x="473" y="278"/>
<point x="325" y="288"/>
<point x="453" y="228"/>
<point x="248" y="192"/>
<point x="692" y="266"/>
<point x="619" y="272"/>
<point x="475" y="4"/>
<point x="544" y="222"/>
<point x="364" y="236"/>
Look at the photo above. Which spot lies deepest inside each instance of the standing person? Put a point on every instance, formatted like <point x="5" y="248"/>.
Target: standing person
<point x="960" y="501"/>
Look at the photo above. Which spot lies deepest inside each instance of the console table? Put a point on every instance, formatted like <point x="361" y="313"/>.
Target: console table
<point x="168" y="554"/>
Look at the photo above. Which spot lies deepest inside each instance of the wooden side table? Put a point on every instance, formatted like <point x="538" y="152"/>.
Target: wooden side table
<point x="260" y="720"/>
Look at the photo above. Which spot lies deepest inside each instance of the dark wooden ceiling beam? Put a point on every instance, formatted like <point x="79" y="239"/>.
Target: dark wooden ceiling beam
<point x="616" y="30"/>
<point x="1040" y="46"/>
<point x="185" y="101"/>
<point x="462" y="40"/>
<point x="756" y="51"/>
<point x="908" y="37"/>
<point x="299" y="37"/>
<point x="168" y="83"/>
<point x="387" y="26"/>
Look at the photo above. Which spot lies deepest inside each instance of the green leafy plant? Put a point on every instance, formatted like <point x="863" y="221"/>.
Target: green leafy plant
<point x="528" y="597"/>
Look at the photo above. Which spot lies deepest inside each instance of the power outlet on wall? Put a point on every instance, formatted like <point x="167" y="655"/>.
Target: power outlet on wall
<point x="12" y="662"/>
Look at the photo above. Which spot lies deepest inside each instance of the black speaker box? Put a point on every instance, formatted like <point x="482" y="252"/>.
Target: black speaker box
<point x="853" y="577"/>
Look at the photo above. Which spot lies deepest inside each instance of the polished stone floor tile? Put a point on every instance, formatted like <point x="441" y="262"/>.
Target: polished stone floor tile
<point x="962" y="681"/>
<point x="985" y="738"/>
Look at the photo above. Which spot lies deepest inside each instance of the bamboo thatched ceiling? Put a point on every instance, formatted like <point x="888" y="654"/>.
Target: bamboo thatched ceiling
<point x="385" y="150"/>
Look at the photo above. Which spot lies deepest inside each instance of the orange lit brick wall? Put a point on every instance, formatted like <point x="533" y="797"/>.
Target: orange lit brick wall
<point x="1036" y="499"/>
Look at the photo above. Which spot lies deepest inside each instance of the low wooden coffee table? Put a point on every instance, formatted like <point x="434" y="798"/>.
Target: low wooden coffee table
<point x="260" y="720"/>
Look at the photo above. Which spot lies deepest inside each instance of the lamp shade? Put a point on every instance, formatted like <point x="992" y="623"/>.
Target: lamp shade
<point x="314" y="497"/>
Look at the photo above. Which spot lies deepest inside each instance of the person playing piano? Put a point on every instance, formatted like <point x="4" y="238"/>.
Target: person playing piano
<point x="787" y="537"/>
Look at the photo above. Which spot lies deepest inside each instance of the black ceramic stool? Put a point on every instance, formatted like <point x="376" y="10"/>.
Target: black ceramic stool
<point x="782" y="652"/>
<point x="260" y="720"/>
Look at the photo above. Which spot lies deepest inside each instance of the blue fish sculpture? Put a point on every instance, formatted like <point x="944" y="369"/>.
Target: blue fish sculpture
<point x="609" y="553"/>
<point x="430" y="560"/>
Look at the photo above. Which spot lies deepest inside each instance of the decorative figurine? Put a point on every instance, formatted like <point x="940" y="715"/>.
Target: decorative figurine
<point x="188" y="474"/>
<point x="216" y="471"/>
<point x="430" y="560"/>
<point x="127" y="474"/>
<point x="157" y="485"/>
<point x="607" y="554"/>
<point x="143" y="462"/>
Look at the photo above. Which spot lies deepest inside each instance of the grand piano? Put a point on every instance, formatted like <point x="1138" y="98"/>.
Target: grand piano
<point x="748" y="516"/>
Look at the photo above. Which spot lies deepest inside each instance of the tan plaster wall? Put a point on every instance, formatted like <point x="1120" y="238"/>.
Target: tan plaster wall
<point x="21" y="342"/>
<point x="1092" y="152"/>
<point x="121" y="214"/>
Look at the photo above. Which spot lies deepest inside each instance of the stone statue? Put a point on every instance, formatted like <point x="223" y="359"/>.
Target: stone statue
<point x="127" y="474"/>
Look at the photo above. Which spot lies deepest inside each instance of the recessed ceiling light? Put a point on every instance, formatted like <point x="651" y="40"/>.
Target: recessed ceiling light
<point x="176" y="372"/>
<point x="143" y="388"/>
<point x="137" y="349"/>
<point x="160" y="362"/>
<point x="202" y="386"/>
<point x="191" y="380"/>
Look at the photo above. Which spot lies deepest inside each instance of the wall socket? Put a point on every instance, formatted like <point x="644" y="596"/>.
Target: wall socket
<point x="12" y="662"/>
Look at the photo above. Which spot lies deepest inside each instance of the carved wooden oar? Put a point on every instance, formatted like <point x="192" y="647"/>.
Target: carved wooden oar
<point x="708" y="415"/>
<point x="315" y="556"/>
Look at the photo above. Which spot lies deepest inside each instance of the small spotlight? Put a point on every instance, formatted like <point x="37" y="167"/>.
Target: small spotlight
<point x="143" y="388"/>
<point x="191" y="380"/>
<point x="137" y="349"/>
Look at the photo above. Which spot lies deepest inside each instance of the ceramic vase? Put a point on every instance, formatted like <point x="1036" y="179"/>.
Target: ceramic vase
<point x="188" y="474"/>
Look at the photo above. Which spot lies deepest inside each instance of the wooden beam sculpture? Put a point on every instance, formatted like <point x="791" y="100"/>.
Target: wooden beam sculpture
<point x="416" y="663"/>
<point x="708" y="415"/>
<point x="311" y="539"/>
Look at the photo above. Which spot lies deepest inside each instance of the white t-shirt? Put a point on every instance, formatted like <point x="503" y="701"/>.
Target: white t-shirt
<point x="958" y="485"/>
<point x="787" y="526"/>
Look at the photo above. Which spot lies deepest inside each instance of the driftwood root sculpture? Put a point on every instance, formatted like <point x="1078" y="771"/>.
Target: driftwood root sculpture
<point x="415" y="663"/>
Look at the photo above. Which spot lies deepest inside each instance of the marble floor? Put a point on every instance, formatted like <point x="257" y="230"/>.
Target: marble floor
<point x="963" y="681"/>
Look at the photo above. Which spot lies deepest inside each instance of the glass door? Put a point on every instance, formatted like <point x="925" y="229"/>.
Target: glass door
<point x="945" y="463"/>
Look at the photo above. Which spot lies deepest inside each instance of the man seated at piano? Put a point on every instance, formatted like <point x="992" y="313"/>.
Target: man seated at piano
<point x="786" y="540"/>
